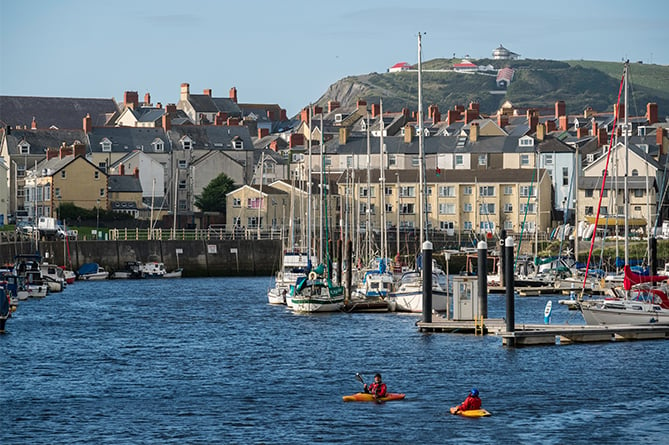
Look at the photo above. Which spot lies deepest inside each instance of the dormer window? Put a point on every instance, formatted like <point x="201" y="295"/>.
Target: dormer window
<point x="238" y="144"/>
<point x="24" y="148"/>
<point x="526" y="141"/>
<point x="106" y="145"/>
<point x="338" y="117"/>
<point x="183" y="163"/>
<point x="158" y="145"/>
<point x="186" y="143"/>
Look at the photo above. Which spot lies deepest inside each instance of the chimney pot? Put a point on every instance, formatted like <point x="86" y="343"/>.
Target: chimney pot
<point x="233" y="94"/>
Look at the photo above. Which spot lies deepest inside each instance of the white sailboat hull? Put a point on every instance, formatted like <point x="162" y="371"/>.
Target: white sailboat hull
<point x="623" y="312"/>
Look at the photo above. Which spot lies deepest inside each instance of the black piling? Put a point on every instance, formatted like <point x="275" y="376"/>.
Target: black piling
<point x="339" y="262"/>
<point x="508" y="275"/>
<point x="501" y="270"/>
<point x="349" y="267"/>
<point x="427" y="282"/>
<point x="482" y="270"/>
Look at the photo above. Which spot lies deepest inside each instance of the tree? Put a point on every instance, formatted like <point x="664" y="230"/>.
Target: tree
<point x="212" y="198"/>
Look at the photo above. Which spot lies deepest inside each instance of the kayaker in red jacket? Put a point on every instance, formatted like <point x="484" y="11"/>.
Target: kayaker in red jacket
<point x="473" y="401"/>
<point x="378" y="388"/>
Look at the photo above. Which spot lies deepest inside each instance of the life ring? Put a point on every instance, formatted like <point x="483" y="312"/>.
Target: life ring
<point x="312" y="276"/>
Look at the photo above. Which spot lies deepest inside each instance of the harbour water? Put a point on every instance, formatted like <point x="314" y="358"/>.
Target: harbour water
<point x="208" y="361"/>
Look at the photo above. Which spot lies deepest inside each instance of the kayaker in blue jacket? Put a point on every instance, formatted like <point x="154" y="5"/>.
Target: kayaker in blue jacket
<point x="378" y="388"/>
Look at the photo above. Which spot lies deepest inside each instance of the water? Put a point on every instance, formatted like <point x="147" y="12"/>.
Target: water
<point x="208" y="361"/>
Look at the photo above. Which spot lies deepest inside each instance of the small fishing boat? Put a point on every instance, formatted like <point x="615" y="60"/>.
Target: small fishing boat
<point x="92" y="272"/>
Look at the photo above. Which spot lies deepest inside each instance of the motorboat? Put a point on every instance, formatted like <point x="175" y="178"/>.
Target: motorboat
<point x="408" y="297"/>
<point x="92" y="272"/>
<point x="153" y="269"/>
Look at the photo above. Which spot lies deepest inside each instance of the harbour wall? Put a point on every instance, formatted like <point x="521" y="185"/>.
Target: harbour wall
<point x="197" y="257"/>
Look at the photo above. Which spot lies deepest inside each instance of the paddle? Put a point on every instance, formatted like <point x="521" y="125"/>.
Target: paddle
<point x="361" y="380"/>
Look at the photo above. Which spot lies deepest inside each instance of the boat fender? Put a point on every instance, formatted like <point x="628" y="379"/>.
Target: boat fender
<point x="312" y="276"/>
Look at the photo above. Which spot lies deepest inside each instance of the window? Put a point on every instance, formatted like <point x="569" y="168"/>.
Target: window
<point x="530" y="208"/>
<point x="183" y="163"/>
<point x="392" y="160"/>
<point x="102" y="166"/>
<point x="604" y="210"/>
<point x="487" y="208"/>
<point x="389" y="208"/>
<point x="446" y="209"/>
<point x="252" y="222"/>
<point x="406" y="209"/>
<point x="487" y="190"/>
<point x="408" y="192"/>
<point x="467" y="190"/>
<point x="236" y="202"/>
<point x="638" y="193"/>
<point x="588" y="210"/>
<point x="548" y="159"/>
<point x="483" y="160"/>
<point x="388" y="191"/>
<point x="508" y="207"/>
<point x="254" y="203"/>
<point x="56" y="193"/>
<point x="363" y="208"/>
<point x="47" y="192"/>
<point x="526" y="142"/>
<point x="182" y="184"/>
<point x="327" y="161"/>
<point x="526" y="191"/>
<point x="415" y="162"/>
<point x="96" y="175"/>
<point x="364" y="191"/>
<point x="102" y="192"/>
<point x="459" y="160"/>
<point x="508" y="225"/>
<point x="508" y="190"/>
<point x="467" y="225"/>
<point x="524" y="160"/>
<point x="605" y="193"/>
<point x="106" y="145"/>
<point x="269" y="167"/>
<point x="24" y="148"/>
<point x="62" y="174"/>
<point x="187" y="144"/>
<point x="447" y="191"/>
<point x="565" y="176"/>
<point x="589" y="193"/>
<point x="446" y="225"/>
<point x="635" y="172"/>
<point x="158" y="145"/>
<point x="467" y="207"/>
<point x="349" y="161"/>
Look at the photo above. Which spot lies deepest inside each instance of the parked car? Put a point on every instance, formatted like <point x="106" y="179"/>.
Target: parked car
<point x="25" y="228"/>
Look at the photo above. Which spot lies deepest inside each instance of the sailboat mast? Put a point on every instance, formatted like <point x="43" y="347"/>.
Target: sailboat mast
<point x="309" y="191"/>
<point x="421" y="155"/>
<point x="262" y="174"/>
<point x="627" y="262"/>
<point x="321" y="191"/>
<point x="382" y="191"/>
<point x="368" y="231"/>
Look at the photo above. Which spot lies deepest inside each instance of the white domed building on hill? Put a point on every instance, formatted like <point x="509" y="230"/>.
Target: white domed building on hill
<point x="501" y="53"/>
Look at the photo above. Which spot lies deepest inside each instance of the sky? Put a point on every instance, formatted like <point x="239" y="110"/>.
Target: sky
<point x="289" y="52"/>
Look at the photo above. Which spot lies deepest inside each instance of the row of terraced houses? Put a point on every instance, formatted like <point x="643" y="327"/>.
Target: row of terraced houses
<point x="517" y="169"/>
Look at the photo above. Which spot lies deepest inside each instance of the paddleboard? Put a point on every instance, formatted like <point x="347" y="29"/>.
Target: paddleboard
<point x="471" y="413"/>
<point x="547" y="312"/>
<point x="366" y="397"/>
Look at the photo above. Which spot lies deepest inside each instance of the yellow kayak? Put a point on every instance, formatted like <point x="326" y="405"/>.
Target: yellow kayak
<point x="367" y="397"/>
<point x="471" y="413"/>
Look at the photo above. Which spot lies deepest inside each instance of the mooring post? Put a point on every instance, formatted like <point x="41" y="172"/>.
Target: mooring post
<point x="427" y="282"/>
<point x="653" y="255"/>
<point x="501" y="268"/>
<point x="482" y="271"/>
<point x="349" y="268"/>
<point x="508" y="275"/>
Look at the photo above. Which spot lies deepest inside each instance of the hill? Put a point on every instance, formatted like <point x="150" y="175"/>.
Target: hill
<point x="536" y="83"/>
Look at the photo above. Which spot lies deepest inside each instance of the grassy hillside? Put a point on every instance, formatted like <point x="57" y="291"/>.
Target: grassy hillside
<point x="537" y="83"/>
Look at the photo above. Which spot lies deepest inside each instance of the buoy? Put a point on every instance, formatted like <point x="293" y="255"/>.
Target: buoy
<point x="312" y="276"/>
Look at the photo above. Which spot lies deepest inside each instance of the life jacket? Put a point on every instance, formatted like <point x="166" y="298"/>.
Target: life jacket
<point x="470" y="403"/>
<point x="379" y="389"/>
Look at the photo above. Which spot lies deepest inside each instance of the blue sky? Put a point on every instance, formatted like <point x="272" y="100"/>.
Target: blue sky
<point x="289" y="52"/>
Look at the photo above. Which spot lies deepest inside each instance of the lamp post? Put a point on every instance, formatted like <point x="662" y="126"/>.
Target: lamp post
<point x="97" y="220"/>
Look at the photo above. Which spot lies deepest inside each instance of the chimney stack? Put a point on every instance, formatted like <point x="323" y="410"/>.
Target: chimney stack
<point x="233" y="94"/>
<point x="333" y="105"/>
<point x="220" y="118"/>
<point x="167" y="122"/>
<point x="121" y="169"/>
<point x="550" y="125"/>
<point x="79" y="150"/>
<point x="502" y="120"/>
<point x="295" y="139"/>
<point x="131" y="99"/>
<point x="408" y="133"/>
<point x="581" y="132"/>
<point x="207" y="92"/>
<point x="52" y="153"/>
<point x="376" y="110"/>
<point x="88" y="124"/>
<point x="471" y="114"/>
<point x="33" y="124"/>
<point x="65" y="151"/>
<point x="651" y="113"/>
<point x="560" y="109"/>
<point x="452" y="116"/>
<point x="602" y="137"/>
<point x="594" y="127"/>
<point x="304" y="115"/>
<point x="147" y="99"/>
<point x="233" y="122"/>
<point x="282" y="115"/>
<point x="541" y="132"/>
<point x="262" y="132"/>
<point x="185" y="91"/>
<point x="474" y="132"/>
<point x="564" y="123"/>
<point x="619" y="111"/>
<point x="361" y="104"/>
<point x="343" y="135"/>
<point x="135" y="173"/>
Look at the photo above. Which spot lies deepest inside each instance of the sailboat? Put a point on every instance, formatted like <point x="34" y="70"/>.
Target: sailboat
<point x="408" y="296"/>
<point x="316" y="292"/>
<point x="635" y="306"/>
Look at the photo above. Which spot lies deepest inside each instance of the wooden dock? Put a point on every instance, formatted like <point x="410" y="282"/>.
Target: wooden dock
<point x="543" y="290"/>
<point x="538" y="334"/>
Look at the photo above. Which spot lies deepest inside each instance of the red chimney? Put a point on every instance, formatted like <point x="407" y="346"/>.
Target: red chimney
<point x="33" y="124"/>
<point x="52" y="153"/>
<point x="219" y="119"/>
<point x="651" y="113"/>
<point x="283" y="115"/>
<point x="376" y="109"/>
<point x="602" y="137"/>
<point x="79" y="150"/>
<point x="452" y="116"/>
<point x="207" y="92"/>
<point x="159" y="105"/>
<point x="502" y="120"/>
<point x="131" y="99"/>
<point x="233" y="122"/>
<point x="550" y="125"/>
<point x="318" y="109"/>
<point x="167" y="122"/>
<point x="564" y="123"/>
<point x="470" y="115"/>
<point x="185" y="91"/>
<point x="581" y="132"/>
<point x="147" y="99"/>
<point x="474" y="106"/>
<point x="332" y="105"/>
<point x="88" y="124"/>
<point x="170" y="109"/>
<point x="460" y="108"/>
<point x="304" y="115"/>
<point x="233" y="94"/>
<point x="295" y="140"/>
<point x="274" y="145"/>
<point x="121" y="169"/>
<point x="659" y="135"/>
<point x="65" y="151"/>
<point x="619" y="111"/>
<point x="361" y="104"/>
<point x="262" y="132"/>
<point x="405" y="113"/>
<point x="560" y="109"/>
<point x="436" y="115"/>
<point x="135" y="173"/>
<point x="594" y="127"/>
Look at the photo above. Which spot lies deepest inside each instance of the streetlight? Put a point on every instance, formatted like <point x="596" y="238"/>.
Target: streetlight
<point x="97" y="221"/>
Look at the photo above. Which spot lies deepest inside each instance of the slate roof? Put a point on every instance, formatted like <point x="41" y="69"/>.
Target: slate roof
<point x="227" y="105"/>
<point x="446" y="176"/>
<point x="40" y="140"/>
<point x="60" y="112"/>
<point x="124" y="184"/>
<point x="211" y="137"/>
<point x="127" y="139"/>
<point x="633" y="182"/>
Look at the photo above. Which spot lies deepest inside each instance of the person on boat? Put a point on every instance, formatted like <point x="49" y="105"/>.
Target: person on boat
<point x="473" y="401"/>
<point x="378" y="388"/>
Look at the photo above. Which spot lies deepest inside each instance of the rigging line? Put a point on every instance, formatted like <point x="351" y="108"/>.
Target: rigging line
<point x="665" y="184"/>
<point x="566" y="214"/>
<point x="606" y="169"/>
